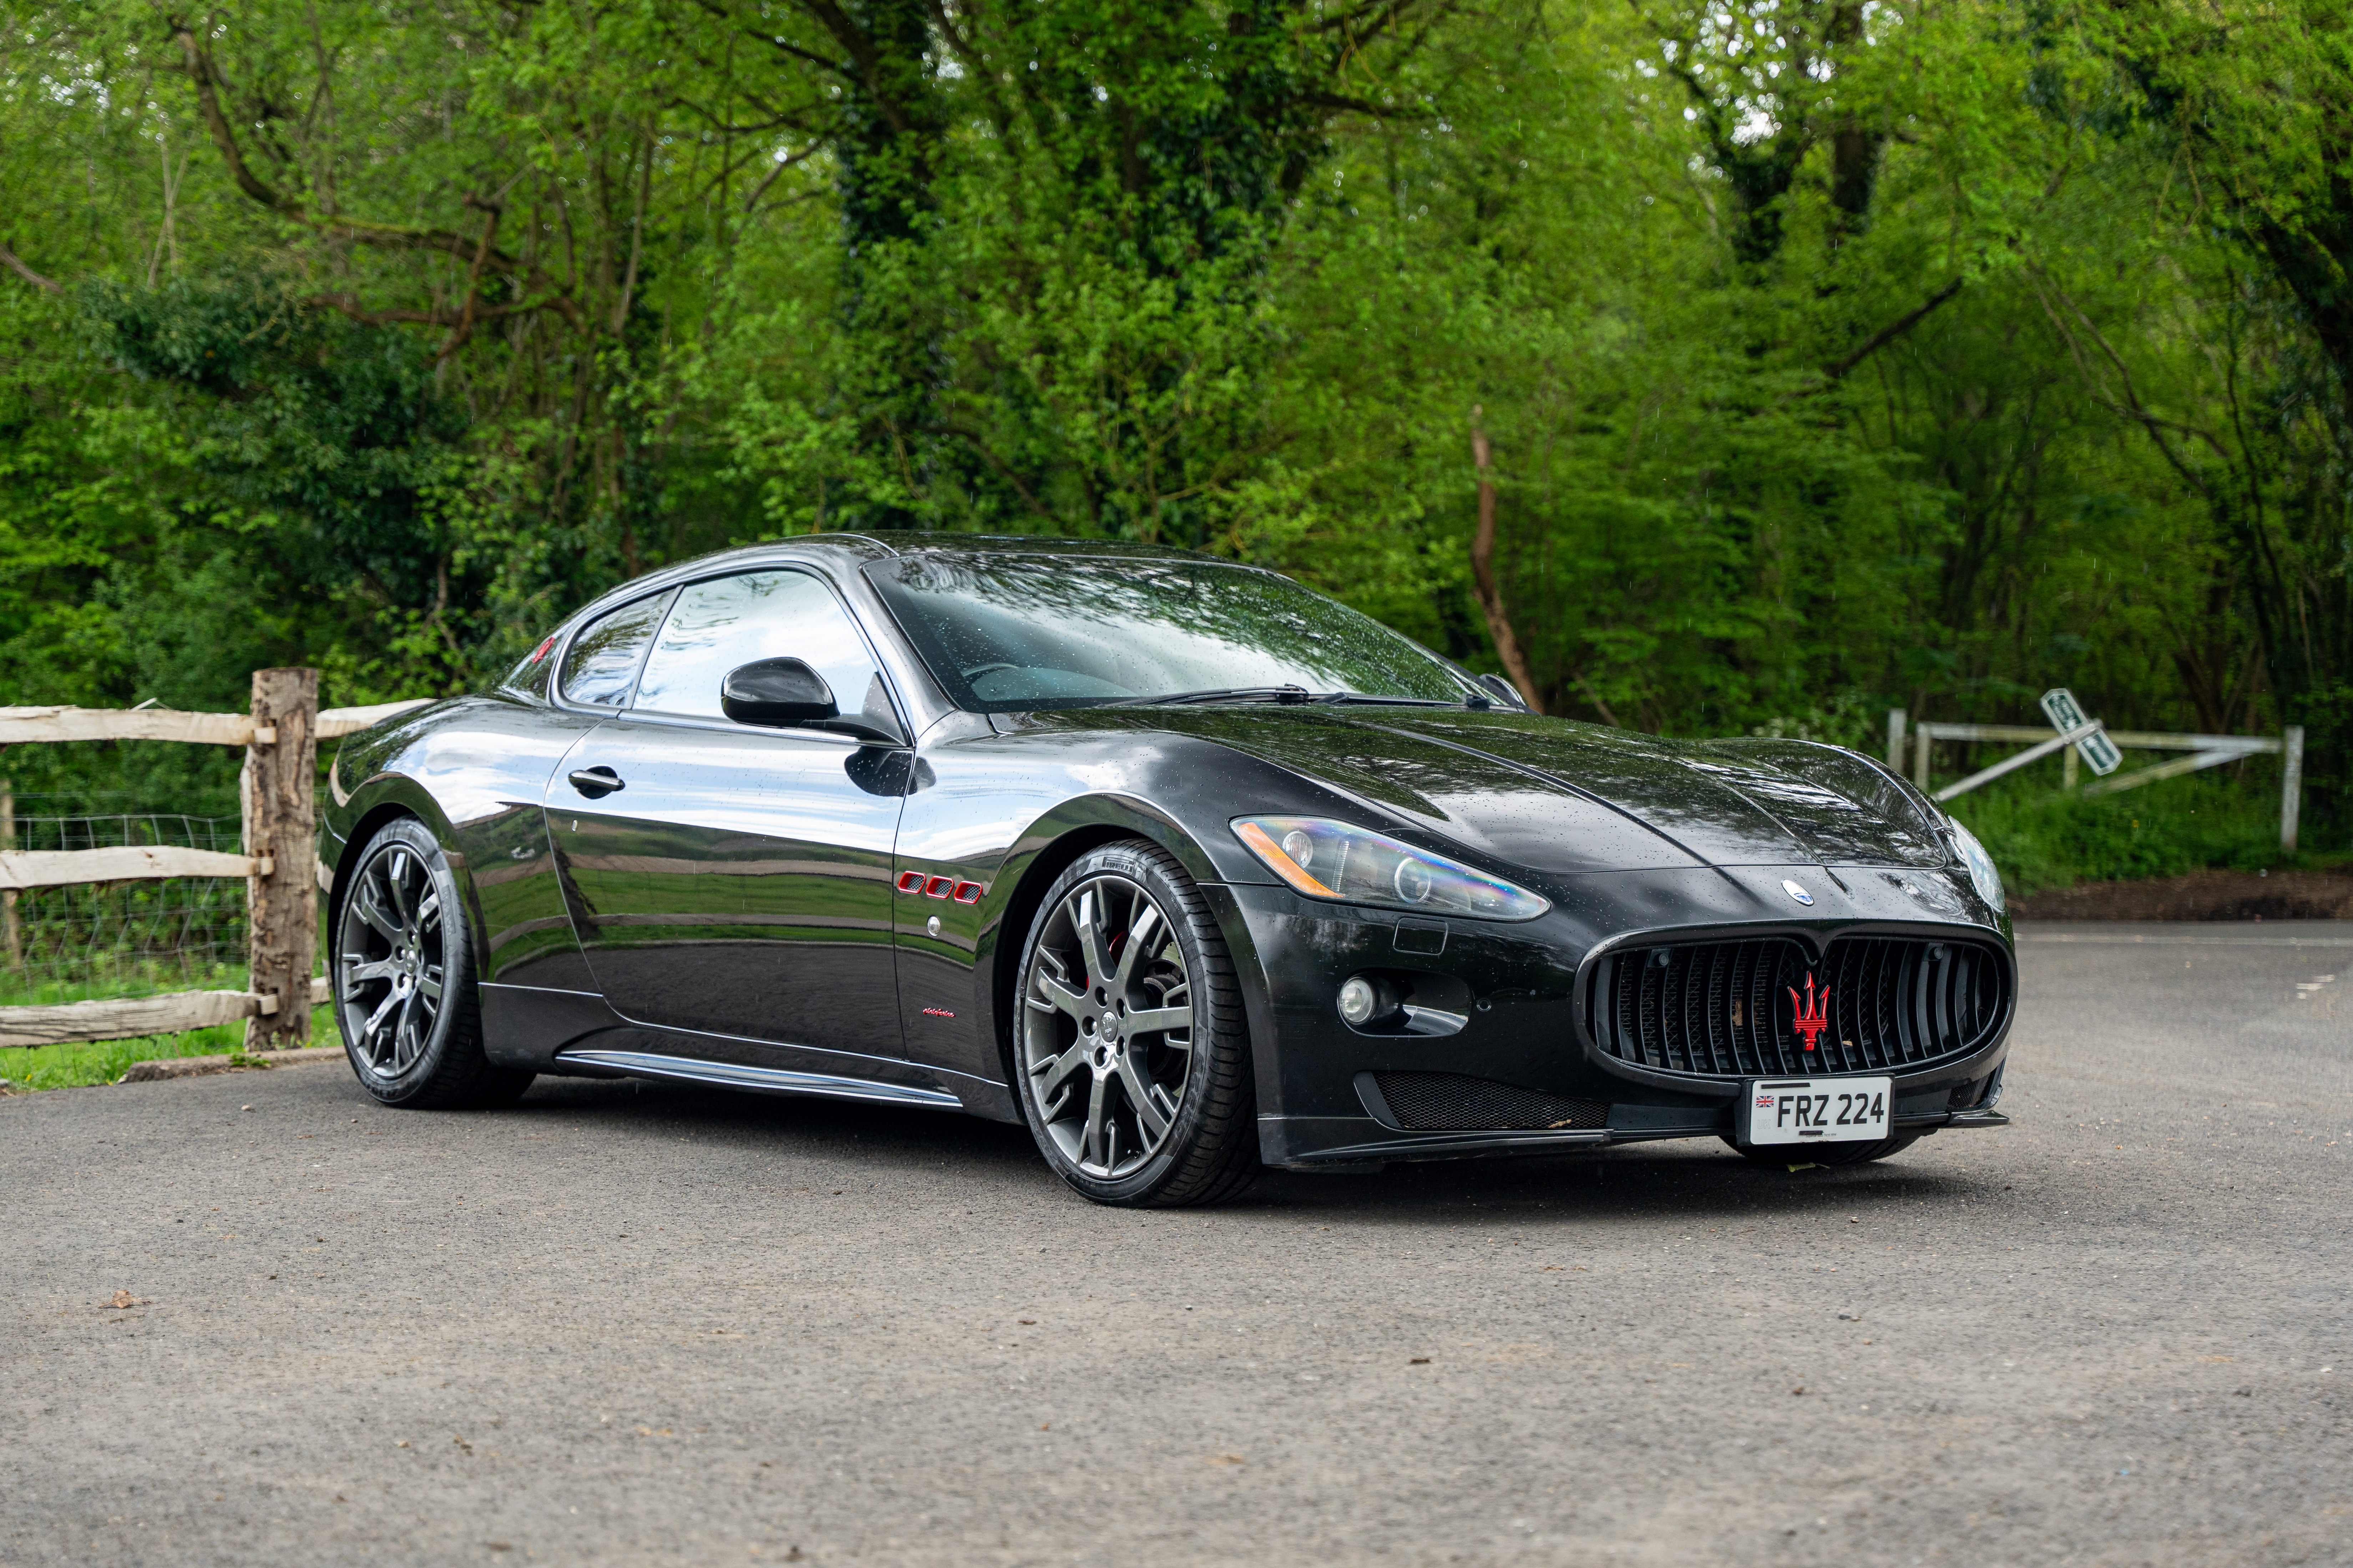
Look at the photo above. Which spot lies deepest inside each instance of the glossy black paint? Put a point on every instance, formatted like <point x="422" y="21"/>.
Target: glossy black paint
<point x="791" y="902"/>
<point x="738" y="883"/>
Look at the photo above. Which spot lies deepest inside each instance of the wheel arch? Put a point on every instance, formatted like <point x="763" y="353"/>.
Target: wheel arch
<point x="1044" y="852"/>
<point x="394" y="796"/>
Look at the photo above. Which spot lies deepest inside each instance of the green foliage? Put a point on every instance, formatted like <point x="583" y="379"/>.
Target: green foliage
<point x="323" y="433"/>
<point x="2043" y="839"/>
<point x="1831" y="357"/>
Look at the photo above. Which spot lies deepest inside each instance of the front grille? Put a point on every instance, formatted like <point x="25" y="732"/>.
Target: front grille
<point x="1730" y="1009"/>
<point x="1451" y="1102"/>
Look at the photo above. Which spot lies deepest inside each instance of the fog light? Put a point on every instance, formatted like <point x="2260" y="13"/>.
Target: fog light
<point x="1369" y="1000"/>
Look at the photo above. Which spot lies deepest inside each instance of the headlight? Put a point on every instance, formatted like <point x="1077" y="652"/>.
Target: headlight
<point x="1981" y="864"/>
<point x="1355" y="866"/>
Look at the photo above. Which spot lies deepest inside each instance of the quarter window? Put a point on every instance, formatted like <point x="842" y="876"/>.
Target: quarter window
<point x="602" y="663"/>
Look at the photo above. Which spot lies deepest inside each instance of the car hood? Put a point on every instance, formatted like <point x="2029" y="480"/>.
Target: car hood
<point x="1555" y="795"/>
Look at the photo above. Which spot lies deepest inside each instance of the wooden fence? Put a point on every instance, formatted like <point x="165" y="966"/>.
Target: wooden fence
<point x="2204" y="751"/>
<point x="280" y="863"/>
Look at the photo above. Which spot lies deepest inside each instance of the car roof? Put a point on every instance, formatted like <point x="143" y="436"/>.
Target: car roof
<point x="850" y="552"/>
<point x="1033" y="544"/>
<point x="861" y="548"/>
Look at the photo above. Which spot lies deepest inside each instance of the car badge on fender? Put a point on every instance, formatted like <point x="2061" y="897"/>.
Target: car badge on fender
<point x="1812" y="1013"/>
<point x="1798" y="893"/>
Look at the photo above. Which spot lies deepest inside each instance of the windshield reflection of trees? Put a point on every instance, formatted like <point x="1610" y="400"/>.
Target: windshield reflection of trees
<point x="1044" y="607"/>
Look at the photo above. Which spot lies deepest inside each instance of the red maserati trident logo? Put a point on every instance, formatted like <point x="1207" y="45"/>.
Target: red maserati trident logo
<point x="1812" y="1013"/>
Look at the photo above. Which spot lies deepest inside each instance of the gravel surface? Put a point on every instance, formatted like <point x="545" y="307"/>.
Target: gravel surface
<point x="2202" y="896"/>
<point x="652" y="1324"/>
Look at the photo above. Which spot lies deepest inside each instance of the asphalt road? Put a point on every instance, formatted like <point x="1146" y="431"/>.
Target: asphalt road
<point x="656" y="1325"/>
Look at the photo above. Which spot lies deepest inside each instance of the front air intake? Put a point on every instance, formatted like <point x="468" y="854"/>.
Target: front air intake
<point x="1743" y="1009"/>
<point x="1454" y="1102"/>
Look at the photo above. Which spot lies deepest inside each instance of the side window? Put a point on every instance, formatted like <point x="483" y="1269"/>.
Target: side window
<point x="604" y="658"/>
<point x="727" y="622"/>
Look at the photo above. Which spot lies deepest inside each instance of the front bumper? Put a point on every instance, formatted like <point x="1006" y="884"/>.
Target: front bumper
<point x="1514" y="988"/>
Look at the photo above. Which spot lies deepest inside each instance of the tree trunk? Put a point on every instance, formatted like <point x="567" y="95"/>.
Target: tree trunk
<point x="1482" y="574"/>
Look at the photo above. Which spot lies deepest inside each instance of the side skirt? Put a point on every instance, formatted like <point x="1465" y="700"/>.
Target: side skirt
<point x="765" y="1081"/>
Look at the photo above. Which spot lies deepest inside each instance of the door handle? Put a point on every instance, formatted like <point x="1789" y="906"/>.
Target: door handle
<point x="595" y="783"/>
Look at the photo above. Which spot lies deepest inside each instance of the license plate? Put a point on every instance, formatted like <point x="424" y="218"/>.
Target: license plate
<point x="1814" y="1110"/>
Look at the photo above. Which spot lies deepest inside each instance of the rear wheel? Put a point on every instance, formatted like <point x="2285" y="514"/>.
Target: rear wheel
<point x="1787" y="1154"/>
<point x="1129" y="1041"/>
<point x="404" y="980"/>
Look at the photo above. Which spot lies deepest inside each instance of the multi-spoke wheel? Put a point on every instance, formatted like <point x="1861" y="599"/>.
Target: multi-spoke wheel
<point x="389" y="962"/>
<point x="402" y="968"/>
<point x="1129" y="1040"/>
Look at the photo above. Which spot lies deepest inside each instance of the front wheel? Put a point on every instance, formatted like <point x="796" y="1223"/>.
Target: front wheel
<point x="1128" y="1036"/>
<point x="403" y="968"/>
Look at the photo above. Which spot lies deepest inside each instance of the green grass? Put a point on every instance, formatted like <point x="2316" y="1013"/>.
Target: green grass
<point x="2042" y="838"/>
<point x="71" y="1067"/>
<point x="124" y="977"/>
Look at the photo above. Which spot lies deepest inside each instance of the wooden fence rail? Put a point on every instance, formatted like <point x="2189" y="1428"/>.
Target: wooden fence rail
<point x="21" y="725"/>
<point x="22" y="868"/>
<point x="2205" y="751"/>
<point x="127" y="1018"/>
<point x="281" y="737"/>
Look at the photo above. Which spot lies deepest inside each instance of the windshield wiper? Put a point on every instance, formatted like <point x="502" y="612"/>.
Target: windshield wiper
<point x="1228" y="694"/>
<point x="1292" y="694"/>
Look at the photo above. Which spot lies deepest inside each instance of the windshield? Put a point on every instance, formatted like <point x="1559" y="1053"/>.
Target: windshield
<point x="1007" y="633"/>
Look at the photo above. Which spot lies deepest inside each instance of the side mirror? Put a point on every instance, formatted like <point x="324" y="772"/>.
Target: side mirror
<point x="780" y="693"/>
<point x="1507" y="693"/>
<point x="876" y="722"/>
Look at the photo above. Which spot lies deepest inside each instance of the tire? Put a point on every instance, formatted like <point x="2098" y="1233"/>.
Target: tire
<point x="403" y="967"/>
<point x="1132" y="1103"/>
<point x="1787" y="1154"/>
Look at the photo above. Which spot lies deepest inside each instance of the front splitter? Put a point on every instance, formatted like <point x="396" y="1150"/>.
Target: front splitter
<point x="1361" y="1153"/>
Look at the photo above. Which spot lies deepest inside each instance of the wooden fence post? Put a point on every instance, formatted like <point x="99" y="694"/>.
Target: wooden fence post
<point x="1895" y="739"/>
<point x="2290" y="784"/>
<point x="282" y="908"/>
<point x="16" y="933"/>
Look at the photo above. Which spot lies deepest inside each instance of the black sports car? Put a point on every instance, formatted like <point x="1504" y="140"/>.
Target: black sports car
<point x="1185" y="866"/>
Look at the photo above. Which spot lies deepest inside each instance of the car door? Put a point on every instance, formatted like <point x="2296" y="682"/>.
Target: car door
<point x="727" y="878"/>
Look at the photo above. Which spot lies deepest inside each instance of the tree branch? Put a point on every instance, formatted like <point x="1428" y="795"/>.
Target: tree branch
<point x="2131" y="408"/>
<point x="963" y="46"/>
<point x="1894" y="330"/>
<point x="350" y="306"/>
<point x="860" y="46"/>
<point x="1482" y="574"/>
<point x="465" y="327"/>
<point x="480" y="255"/>
<point x="768" y="36"/>
<point x="201" y="72"/>
<point x="770" y="177"/>
<point x="46" y="284"/>
<point x="1005" y="470"/>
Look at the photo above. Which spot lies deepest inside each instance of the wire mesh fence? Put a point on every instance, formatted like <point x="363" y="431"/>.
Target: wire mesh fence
<point x="123" y="939"/>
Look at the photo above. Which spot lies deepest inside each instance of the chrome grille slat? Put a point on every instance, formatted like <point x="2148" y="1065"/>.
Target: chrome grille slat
<point x="1721" y="1009"/>
<point x="1716" y="1011"/>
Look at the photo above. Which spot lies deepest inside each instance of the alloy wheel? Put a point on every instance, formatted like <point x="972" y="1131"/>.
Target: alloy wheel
<point x="1107" y="1026"/>
<point x="391" y="960"/>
